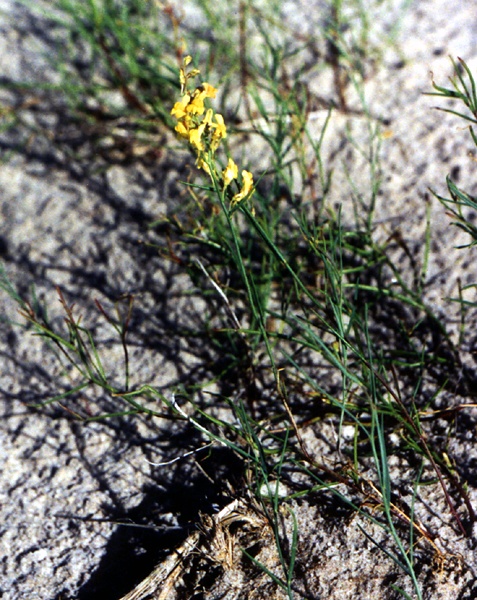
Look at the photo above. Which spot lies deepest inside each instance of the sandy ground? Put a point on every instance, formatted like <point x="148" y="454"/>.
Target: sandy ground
<point x="66" y="485"/>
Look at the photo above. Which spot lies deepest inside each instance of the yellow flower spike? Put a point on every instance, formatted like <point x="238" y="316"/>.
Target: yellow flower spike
<point x="229" y="173"/>
<point x="247" y="187"/>
<point x="205" y="132"/>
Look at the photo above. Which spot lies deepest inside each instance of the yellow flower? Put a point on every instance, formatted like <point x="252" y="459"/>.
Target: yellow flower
<point x="229" y="173"/>
<point x="201" y="164"/>
<point x="219" y="132"/>
<point x="207" y="90"/>
<point x="247" y="187"/>
<point x="195" y="136"/>
<point x="208" y="117"/>
<point x="179" y="109"/>
<point x="220" y="127"/>
<point x="247" y="178"/>
<point x="182" y="129"/>
<point x="196" y="106"/>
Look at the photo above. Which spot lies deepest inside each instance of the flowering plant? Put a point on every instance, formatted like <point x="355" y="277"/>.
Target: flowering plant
<point x="204" y="130"/>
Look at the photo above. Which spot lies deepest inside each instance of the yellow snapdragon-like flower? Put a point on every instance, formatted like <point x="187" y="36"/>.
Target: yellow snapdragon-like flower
<point x="208" y="117"/>
<point x="179" y="111"/>
<point x="195" y="138"/>
<point x="201" y="164"/>
<point x="247" y="187"/>
<point x="219" y="132"/>
<point x="196" y="106"/>
<point x="220" y="128"/>
<point x="208" y="90"/>
<point x="229" y="173"/>
<point x="182" y="129"/>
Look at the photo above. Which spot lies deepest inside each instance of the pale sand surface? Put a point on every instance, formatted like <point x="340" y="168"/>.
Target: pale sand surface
<point x="63" y="226"/>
